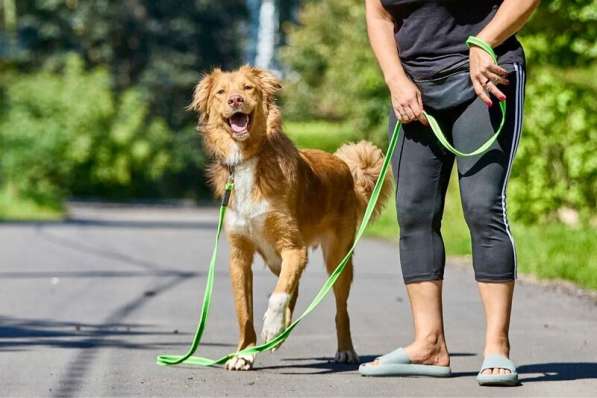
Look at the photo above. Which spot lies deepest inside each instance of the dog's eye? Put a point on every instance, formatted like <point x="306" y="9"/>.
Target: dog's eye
<point x="248" y="87"/>
<point x="220" y="91"/>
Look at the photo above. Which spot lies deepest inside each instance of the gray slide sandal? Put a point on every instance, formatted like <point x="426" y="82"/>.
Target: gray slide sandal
<point x="397" y="363"/>
<point x="501" y="362"/>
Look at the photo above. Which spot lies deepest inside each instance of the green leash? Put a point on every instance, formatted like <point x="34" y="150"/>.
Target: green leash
<point x="188" y="358"/>
<point x="437" y="131"/>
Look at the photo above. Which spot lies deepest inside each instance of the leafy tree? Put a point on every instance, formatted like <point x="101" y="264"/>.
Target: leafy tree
<point x="161" y="46"/>
<point x="555" y="165"/>
<point x="563" y="33"/>
<point x="68" y="134"/>
<point x="332" y="70"/>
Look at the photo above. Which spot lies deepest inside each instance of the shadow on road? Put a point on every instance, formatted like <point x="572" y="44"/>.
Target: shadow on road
<point x="102" y="274"/>
<point x="20" y="334"/>
<point x="128" y="224"/>
<point x="558" y="371"/>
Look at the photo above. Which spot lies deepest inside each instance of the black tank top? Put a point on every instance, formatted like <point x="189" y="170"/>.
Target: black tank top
<point x="431" y="34"/>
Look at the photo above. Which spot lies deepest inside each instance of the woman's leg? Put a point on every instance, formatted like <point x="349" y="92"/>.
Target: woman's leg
<point x="497" y="302"/>
<point x="429" y="346"/>
<point x="483" y="183"/>
<point x="422" y="169"/>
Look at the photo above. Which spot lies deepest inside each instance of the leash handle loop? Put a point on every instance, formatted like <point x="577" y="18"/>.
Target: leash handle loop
<point x="439" y="134"/>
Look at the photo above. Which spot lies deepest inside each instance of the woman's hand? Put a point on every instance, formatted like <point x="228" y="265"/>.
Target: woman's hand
<point x="407" y="101"/>
<point x="486" y="75"/>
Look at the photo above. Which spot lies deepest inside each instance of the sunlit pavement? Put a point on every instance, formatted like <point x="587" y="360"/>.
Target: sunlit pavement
<point x="86" y="305"/>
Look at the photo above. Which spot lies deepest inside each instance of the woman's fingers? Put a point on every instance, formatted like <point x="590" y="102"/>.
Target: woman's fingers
<point x="423" y="119"/>
<point x="404" y="113"/>
<point x="481" y="93"/>
<point x="418" y="114"/>
<point x="498" y="70"/>
<point x="492" y="88"/>
<point x="408" y="103"/>
<point x="401" y="114"/>
<point x="495" y="78"/>
<point x="419" y="110"/>
<point x="486" y="75"/>
<point x="409" y="113"/>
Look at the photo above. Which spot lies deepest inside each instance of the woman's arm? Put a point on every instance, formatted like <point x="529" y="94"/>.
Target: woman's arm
<point x="509" y="19"/>
<point x="406" y="97"/>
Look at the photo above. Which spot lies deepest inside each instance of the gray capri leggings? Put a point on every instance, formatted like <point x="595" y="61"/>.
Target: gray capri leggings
<point x="422" y="170"/>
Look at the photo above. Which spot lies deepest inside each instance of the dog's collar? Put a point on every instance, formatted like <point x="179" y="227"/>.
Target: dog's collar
<point x="230" y="172"/>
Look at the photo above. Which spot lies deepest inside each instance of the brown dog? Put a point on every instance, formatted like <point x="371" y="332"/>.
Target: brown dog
<point x="284" y="200"/>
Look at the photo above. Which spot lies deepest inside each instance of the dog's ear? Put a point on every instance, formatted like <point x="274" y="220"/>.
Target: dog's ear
<point x="202" y="92"/>
<point x="269" y="83"/>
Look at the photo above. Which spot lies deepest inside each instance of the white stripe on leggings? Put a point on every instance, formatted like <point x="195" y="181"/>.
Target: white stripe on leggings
<point x="519" y="108"/>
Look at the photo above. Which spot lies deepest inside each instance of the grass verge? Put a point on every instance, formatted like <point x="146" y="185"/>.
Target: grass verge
<point x="13" y="208"/>
<point x="548" y="251"/>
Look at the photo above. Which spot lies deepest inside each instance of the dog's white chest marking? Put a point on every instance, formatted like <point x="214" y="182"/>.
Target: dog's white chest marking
<point x="234" y="155"/>
<point x="246" y="215"/>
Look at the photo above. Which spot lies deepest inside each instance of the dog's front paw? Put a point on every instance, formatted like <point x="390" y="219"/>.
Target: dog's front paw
<point x="348" y="356"/>
<point x="240" y="362"/>
<point x="274" y="319"/>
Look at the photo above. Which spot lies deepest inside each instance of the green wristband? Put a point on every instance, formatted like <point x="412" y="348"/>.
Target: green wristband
<point x="482" y="44"/>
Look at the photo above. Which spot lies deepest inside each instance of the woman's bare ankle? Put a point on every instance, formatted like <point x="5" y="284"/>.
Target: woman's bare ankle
<point x="497" y="346"/>
<point x="429" y="350"/>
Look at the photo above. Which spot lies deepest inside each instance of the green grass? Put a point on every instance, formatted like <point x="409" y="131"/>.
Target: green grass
<point x="548" y="251"/>
<point x="328" y="136"/>
<point x="13" y="208"/>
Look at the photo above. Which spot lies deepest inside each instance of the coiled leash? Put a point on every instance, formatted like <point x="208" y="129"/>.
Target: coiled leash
<point x="189" y="359"/>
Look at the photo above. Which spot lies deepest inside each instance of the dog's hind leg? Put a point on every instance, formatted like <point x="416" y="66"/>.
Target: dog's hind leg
<point x="335" y="247"/>
<point x="241" y="259"/>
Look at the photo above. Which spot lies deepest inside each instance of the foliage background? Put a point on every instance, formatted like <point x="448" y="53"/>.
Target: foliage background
<point x="335" y="77"/>
<point x="93" y="95"/>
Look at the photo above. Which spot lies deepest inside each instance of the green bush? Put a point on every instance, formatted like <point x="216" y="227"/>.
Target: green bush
<point x="66" y="133"/>
<point x="333" y="73"/>
<point x="556" y="165"/>
<point x="563" y="33"/>
<point x="320" y="134"/>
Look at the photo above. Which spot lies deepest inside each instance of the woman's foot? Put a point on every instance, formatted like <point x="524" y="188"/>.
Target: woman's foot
<point x="426" y="351"/>
<point x="429" y="351"/>
<point x="501" y="348"/>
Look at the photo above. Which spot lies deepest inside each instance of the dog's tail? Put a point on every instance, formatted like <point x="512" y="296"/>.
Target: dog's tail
<point x="364" y="161"/>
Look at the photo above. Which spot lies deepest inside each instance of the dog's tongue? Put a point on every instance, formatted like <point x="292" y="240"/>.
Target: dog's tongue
<point x="239" y="122"/>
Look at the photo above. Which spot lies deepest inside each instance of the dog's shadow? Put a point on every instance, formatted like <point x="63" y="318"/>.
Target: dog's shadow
<point x="320" y="365"/>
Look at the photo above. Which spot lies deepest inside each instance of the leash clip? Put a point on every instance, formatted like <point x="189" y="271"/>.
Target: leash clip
<point x="228" y="187"/>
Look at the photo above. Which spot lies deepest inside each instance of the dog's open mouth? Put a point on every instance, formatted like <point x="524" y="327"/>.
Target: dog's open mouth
<point x="239" y="124"/>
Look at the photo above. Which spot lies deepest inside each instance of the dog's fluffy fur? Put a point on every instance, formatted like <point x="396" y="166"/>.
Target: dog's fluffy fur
<point x="284" y="200"/>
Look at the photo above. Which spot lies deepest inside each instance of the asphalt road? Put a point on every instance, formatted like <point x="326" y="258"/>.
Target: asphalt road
<point x="86" y="305"/>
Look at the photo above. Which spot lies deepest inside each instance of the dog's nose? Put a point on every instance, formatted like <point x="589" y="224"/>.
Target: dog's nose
<point x="235" y="100"/>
